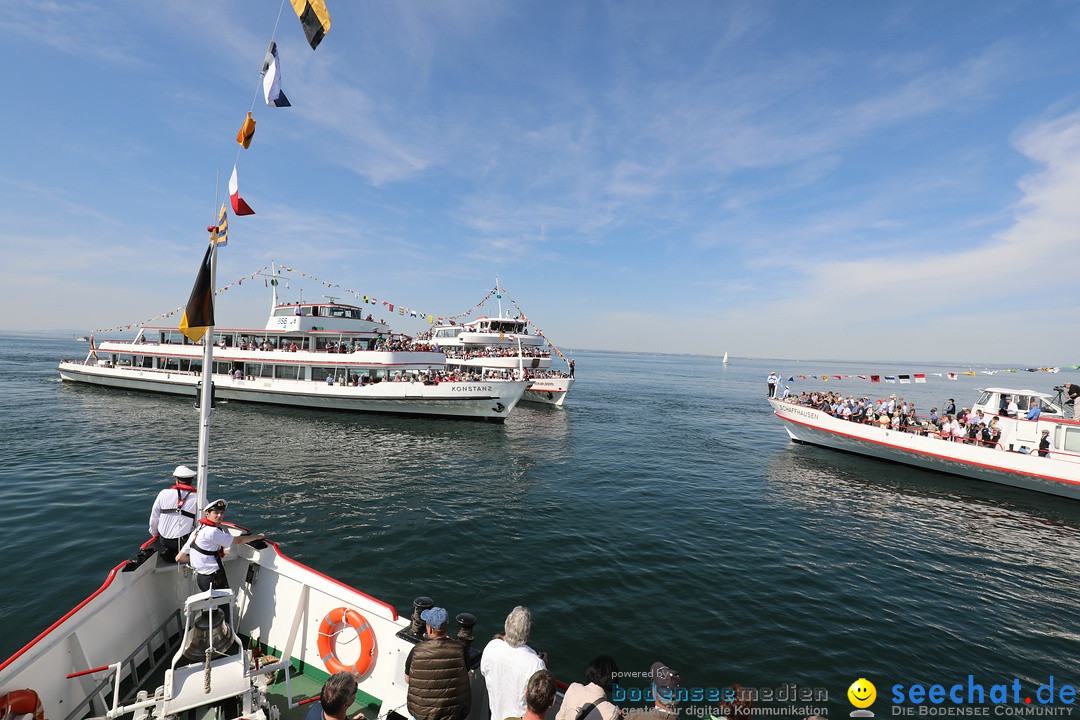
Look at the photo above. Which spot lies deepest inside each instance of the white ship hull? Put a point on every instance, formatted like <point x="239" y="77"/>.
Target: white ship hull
<point x="139" y="612"/>
<point x="548" y="391"/>
<point x="1058" y="474"/>
<point x="491" y="400"/>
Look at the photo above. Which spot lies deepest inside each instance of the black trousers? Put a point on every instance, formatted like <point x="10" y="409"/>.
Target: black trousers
<point x="218" y="580"/>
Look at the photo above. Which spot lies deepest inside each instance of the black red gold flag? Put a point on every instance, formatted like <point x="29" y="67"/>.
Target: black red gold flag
<point x="199" y="313"/>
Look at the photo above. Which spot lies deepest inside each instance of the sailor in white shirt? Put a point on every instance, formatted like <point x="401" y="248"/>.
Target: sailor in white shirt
<point x="174" y="513"/>
<point x="208" y="543"/>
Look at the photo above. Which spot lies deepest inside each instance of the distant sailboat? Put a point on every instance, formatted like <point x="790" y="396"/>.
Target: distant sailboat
<point x="725" y="359"/>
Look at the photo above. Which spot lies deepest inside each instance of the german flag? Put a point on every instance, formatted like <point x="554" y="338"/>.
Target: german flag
<point x="199" y="313"/>
<point x="314" y="18"/>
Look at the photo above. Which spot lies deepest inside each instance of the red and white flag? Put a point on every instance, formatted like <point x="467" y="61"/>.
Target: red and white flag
<point x="239" y="205"/>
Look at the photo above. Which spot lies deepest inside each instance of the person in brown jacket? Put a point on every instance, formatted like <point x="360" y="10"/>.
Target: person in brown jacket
<point x="437" y="672"/>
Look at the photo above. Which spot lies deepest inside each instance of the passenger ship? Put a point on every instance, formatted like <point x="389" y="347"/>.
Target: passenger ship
<point x="148" y="645"/>
<point x="503" y="347"/>
<point x="323" y="355"/>
<point x="1014" y="460"/>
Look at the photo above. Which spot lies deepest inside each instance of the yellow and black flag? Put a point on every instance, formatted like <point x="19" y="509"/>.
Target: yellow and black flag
<point x="314" y="18"/>
<point x="199" y="313"/>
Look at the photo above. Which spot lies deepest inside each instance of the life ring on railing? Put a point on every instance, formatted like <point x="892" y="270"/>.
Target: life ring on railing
<point x="328" y="630"/>
<point x="22" y="702"/>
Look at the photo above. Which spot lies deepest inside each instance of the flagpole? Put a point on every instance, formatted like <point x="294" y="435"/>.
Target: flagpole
<point x="206" y="393"/>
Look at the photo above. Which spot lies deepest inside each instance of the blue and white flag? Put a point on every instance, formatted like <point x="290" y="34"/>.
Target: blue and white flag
<point x="271" y="72"/>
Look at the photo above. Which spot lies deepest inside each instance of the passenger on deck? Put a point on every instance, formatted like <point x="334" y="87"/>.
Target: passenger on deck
<point x="1045" y="443"/>
<point x="437" y="672"/>
<point x="666" y="684"/>
<point x="539" y="695"/>
<point x="590" y="701"/>
<point x="338" y="693"/>
<point x="508" y="663"/>
<point x="1034" y="411"/>
<point x="1073" y="391"/>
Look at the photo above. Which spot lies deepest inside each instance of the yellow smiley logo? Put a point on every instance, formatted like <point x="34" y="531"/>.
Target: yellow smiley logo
<point x="862" y="693"/>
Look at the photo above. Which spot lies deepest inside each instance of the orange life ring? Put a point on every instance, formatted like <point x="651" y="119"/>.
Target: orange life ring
<point x="328" y="631"/>
<point x="22" y="702"/>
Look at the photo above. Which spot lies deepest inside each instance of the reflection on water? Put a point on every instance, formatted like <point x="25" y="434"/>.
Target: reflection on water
<point x="961" y="552"/>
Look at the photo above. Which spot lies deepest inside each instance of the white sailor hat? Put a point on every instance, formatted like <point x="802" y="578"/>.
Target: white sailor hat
<point x="218" y="504"/>
<point x="183" y="471"/>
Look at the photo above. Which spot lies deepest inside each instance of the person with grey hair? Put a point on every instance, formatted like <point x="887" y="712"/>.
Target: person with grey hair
<point x="507" y="665"/>
<point x="338" y="693"/>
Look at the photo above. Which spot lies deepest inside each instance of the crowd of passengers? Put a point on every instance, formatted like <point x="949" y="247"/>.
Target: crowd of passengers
<point x="428" y="377"/>
<point x="391" y="344"/>
<point x="458" y="354"/>
<point x="896" y="413"/>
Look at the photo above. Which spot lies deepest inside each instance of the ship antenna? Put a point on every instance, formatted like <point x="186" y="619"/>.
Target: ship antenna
<point x="273" y="286"/>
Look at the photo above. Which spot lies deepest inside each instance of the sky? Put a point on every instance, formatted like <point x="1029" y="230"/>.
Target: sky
<point x="840" y="180"/>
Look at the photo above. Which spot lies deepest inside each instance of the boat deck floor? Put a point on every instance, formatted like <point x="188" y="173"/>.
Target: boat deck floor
<point x="304" y="687"/>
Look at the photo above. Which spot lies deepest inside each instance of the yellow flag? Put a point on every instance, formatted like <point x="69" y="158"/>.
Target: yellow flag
<point x="247" y="131"/>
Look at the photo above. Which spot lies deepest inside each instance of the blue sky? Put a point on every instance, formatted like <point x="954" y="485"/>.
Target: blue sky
<point x="850" y="180"/>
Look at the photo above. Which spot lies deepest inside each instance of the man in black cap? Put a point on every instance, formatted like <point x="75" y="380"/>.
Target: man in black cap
<point x="666" y="684"/>
<point x="207" y="544"/>
<point x="174" y="513"/>
<point x="437" y="671"/>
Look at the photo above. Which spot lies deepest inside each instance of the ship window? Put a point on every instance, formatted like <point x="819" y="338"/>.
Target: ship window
<point x="1072" y="440"/>
<point x="984" y="401"/>
<point x="288" y="372"/>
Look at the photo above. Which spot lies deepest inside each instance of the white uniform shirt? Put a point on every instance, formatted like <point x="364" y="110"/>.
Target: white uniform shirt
<point x="166" y="521"/>
<point x="506" y="672"/>
<point x="211" y="538"/>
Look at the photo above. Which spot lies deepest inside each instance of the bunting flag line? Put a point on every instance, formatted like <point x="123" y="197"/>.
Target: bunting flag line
<point x="247" y="131"/>
<point x="920" y="377"/>
<point x="239" y="205"/>
<point x="271" y="83"/>
<point x="199" y="313"/>
<point x="314" y="18"/>
<point x="905" y="379"/>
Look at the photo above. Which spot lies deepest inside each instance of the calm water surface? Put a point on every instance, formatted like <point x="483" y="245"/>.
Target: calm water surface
<point x="662" y="515"/>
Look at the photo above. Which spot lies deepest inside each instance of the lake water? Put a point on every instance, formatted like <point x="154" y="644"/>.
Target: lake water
<point x="662" y="515"/>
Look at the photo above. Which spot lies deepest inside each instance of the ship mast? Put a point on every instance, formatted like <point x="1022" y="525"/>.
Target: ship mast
<point x="206" y="393"/>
